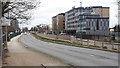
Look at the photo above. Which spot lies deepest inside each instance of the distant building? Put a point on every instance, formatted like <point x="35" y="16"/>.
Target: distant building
<point x="15" y="25"/>
<point x="54" y="23"/>
<point x="41" y="28"/>
<point x="58" y="23"/>
<point x="9" y="29"/>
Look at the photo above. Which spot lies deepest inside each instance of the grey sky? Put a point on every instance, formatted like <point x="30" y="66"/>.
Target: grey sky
<point x="50" y="8"/>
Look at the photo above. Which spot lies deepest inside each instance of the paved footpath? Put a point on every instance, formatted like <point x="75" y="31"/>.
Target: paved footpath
<point x="20" y="55"/>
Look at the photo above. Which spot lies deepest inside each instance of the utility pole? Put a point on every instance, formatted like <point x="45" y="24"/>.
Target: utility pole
<point x="0" y="34"/>
<point x="0" y="29"/>
<point x="81" y="26"/>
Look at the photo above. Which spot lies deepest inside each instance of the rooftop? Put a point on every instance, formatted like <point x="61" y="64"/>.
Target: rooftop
<point x="87" y="7"/>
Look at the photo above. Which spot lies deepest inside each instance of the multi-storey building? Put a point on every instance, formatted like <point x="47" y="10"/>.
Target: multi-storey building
<point x="77" y="20"/>
<point x="54" y="27"/>
<point x="58" y="23"/>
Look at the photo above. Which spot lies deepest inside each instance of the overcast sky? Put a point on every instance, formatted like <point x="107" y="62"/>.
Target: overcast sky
<point x="50" y="8"/>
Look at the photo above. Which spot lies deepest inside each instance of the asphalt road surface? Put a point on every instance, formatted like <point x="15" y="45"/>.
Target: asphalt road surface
<point x="76" y="56"/>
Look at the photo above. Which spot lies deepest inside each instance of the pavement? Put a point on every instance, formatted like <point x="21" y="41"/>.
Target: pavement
<point x="21" y="55"/>
<point x="76" y="56"/>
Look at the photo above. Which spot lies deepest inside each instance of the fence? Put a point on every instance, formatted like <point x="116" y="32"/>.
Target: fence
<point x="102" y="44"/>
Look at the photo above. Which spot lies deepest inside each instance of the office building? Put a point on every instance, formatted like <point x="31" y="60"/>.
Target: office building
<point x="58" y="23"/>
<point x="54" y="27"/>
<point x="77" y="20"/>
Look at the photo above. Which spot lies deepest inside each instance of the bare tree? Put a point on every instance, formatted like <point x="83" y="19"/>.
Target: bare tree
<point x="19" y="9"/>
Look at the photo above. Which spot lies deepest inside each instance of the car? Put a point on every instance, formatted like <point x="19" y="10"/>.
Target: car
<point x="25" y="33"/>
<point x="63" y="34"/>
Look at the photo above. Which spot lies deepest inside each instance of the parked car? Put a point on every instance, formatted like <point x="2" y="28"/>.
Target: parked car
<point x="25" y="33"/>
<point x="63" y="34"/>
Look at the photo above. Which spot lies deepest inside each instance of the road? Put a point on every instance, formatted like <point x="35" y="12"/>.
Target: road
<point x="76" y="56"/>
<point x="20" y="55"/>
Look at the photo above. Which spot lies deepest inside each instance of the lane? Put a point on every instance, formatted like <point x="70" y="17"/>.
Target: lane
<point x="22" y="56"/>
<point x="73" y="55"/>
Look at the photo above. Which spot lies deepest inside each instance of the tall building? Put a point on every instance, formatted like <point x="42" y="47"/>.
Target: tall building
<point x="54" y="23"/>
<point x="75" y="18"/>
<point x="58" y="23"/>
<point x="87" y="20"/>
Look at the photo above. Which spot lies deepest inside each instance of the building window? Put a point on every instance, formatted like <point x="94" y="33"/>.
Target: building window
<point x="97" y="25"/>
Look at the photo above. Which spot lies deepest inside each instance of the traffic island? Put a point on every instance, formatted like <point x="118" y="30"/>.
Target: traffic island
<point x="69" y="43"/>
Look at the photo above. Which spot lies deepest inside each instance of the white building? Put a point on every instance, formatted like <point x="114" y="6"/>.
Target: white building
<point x="89" y="20"/>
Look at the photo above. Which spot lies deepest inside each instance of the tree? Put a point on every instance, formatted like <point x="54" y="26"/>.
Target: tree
<point x="117" y="28"/>
<point x="16" y="10"/>
<point x="25" y="29"/>
<point x="19" y="9"/>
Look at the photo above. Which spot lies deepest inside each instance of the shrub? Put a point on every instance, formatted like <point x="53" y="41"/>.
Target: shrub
<point x="104" y="47"/>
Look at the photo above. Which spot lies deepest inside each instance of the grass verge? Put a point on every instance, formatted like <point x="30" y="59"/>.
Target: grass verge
<point x="74" y="44"/>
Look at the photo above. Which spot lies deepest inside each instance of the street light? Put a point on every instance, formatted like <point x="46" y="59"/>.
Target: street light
<point x="79" y="2"/>
<point x="94" y="36"/>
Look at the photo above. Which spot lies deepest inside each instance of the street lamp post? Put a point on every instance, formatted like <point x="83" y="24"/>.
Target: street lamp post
<point x="94" y="36"/>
